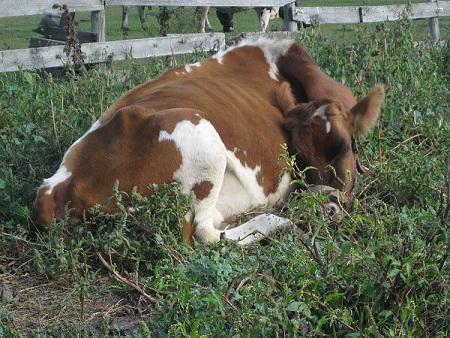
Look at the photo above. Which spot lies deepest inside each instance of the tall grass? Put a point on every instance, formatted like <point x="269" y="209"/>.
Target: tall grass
<point x="383" y="271"/>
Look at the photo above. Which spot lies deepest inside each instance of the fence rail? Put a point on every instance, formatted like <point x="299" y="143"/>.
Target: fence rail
<point x="43" y="57"/>
<point x="365" y="14"/>
<point x="201" y="3"/>
<point x="32" y="7"/>
<point x="54" y="56"/>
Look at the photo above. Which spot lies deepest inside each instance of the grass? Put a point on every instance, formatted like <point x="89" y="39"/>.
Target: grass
<point x="15" y="32"/>
<point x="383" y="271"/>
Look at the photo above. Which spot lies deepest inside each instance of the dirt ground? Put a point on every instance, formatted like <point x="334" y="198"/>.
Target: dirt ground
<point x="42" y="304"/>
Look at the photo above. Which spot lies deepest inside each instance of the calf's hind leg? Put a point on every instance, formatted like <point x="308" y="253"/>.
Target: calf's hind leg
<point x="201" y="171"/>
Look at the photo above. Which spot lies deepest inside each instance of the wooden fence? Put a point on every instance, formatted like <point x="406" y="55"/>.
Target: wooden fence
<point x="100" y="51"/>
<point x="365" y="14"/>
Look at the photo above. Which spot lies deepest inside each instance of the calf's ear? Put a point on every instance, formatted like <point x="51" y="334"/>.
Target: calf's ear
<point x="367" y="111"/>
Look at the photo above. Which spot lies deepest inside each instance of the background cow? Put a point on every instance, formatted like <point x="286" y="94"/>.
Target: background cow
<point x="225" y="15"/>
<point x="142" y="18"/>
<point x="215" y="127"/>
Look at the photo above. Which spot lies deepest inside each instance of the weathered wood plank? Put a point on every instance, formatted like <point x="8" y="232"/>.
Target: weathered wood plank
<point x="308" y="15"/>
<point x="355" y="14"/>
<point x="46" y="57"/>
<point x="288" y="18"/>
<point x="195" y="3"/>
<point x="98" y="25"/>
<point x="433" y="24"/>
<point x="415" y="11"/>
<point x="32" y="7"/>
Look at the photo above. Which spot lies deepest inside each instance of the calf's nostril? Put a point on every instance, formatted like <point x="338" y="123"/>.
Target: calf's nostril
<point x="333" y="211"/>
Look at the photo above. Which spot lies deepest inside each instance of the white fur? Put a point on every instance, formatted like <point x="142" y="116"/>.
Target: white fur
<point x="257" y="228"/>
<point x="189" y="67"/>
<point x="247" y="177"/>
<point x="284" y="187"/>
<point x="203" y="159"/>
<point x="321" y="113"/>
<point x="62" y="173"/>
<point x="272" y="49"/>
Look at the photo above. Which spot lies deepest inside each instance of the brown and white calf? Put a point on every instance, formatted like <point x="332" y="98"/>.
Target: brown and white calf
<point x="215" y="128"/>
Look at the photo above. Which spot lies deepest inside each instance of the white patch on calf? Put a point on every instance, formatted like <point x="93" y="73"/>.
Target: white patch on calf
<point x="203" y="157"/>
<point x="272" y="49"/>
<point x="189" y="67"/>
<point x="62" y="173"/>
<point x="194" y="142"/>
<point x="247" y="177"/>
<point x="321" y="113"/>
<point x="241" y="192"/>
<point x="284" y="187"/>
<point x="221" y="54"/>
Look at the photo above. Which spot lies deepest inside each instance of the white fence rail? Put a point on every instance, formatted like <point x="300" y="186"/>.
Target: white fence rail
<point x="43" y="57"/>
<point x="32" y="7"/>
<point x="431" y="10"/>
<point x="201" y="3"/>
<point x="47" y="57"/>
<point x="364" y="14"/>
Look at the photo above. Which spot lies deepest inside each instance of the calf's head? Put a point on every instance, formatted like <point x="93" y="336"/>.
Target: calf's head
<point x="322" y="135"/>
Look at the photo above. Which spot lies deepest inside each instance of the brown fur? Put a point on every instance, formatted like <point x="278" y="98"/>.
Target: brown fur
<point x="320" y="149"/>
<point x="202" y="190"/>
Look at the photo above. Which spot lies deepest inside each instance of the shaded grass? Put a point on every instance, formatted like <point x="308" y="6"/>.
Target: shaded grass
<point x="382" y="272"/>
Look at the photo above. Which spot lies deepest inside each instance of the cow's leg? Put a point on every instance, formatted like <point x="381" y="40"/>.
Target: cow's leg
<point x="202" y="13"/>
<point x="203" y="163"/>
<point x="264" y="17"/>
<point x="142" y="18"/>
<point x="208" y="26"/>
<point x="257" y="228"/>
<point x="225" y="17"/>
<point x="125" y="10"/>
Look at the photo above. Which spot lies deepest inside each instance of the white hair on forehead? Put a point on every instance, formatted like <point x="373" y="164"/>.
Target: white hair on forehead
<point x="321" y="113"/>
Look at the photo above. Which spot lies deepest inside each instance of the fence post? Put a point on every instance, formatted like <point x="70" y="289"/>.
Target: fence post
<point x="98" y="24"/>
<point x="288" y="17"/>
<point x="433" y="24"/>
